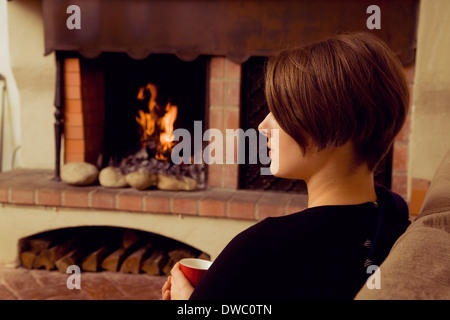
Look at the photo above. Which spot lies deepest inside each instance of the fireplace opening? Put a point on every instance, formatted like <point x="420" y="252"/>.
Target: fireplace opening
<point x="130" y="109"/>
<point x="144" y="93"/>
<point x="102" y="248"/>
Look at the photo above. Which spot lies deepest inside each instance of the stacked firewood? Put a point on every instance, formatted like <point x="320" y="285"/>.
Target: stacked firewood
<point x="127" y="251"/>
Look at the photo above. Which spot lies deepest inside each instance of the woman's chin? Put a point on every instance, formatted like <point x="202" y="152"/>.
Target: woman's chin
<point x="274" y="169"/>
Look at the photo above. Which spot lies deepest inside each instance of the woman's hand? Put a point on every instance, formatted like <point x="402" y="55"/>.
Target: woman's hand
<point x="177" y="286"/>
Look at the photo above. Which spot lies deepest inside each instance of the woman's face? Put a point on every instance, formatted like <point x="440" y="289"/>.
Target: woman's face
<point x="287" y="160"/>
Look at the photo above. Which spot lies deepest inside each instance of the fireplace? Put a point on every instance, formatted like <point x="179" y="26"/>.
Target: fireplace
<point x="226" y="42"/>
<point x="122" y="113"/>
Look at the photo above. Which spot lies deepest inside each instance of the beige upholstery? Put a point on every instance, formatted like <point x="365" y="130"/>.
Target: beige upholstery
<point x="418" y="266"/>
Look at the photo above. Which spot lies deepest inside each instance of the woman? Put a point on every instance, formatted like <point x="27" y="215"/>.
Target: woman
<point x="337" y="106"/>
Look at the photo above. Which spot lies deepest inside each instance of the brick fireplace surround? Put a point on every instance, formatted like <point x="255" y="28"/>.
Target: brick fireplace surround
<point x="32" y="201"/>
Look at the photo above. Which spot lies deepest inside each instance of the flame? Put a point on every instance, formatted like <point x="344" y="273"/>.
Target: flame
<point x="166" y="137"/>
<point x="152" y="124"/>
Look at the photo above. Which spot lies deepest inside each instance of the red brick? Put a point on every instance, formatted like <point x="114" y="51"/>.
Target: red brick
<point x="185" y="206"/>
<point x="400" y="160"/>
<point x="272" y="204"/>
<point x="215" y="175"/>
<point x="213" y="208"/>
<point x="231" y="176"/>
<point x="73" y="157"/>
<point x="215" y="203"/>
<point x="241" y="210"/>
<point x="216" y="93"/>
<point x="158" y="202"/>
<point x="243" y="204"/>
<point x="73" y="132"/>
<point x="265" y="211"/>
<point x="217" y="67"/>
<point x="72" y="79"/>
<point x="103" y="199"/>
<point x="22" y="196"/>
<point x="232" y="69"/>
<point x="400" y="184"/>
<point x="77" y="199"/>
<point x="403" y="135"/>
<point x="74" y="145"/>
<point x="216" y="118"/>
<point x="232" y="93"/>
<point x="73" y="106"/>
<point x="71" y="65"/>
<point x="232" y="118"/>
<point x="72" y="92"/>
<point x="129" y="202"/>
<point x="49" y="197"/>
<point x="186" y="202"/>
<point x="73" y="119"/>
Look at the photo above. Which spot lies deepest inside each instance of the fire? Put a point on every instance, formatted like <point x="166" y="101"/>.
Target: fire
<point x="155" y="127"/>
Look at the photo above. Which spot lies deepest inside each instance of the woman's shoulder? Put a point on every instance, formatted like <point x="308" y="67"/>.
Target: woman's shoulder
<point x="308" y="223"/>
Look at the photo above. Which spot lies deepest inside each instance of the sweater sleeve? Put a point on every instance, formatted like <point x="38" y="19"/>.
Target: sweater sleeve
<point x="233" y="271"/>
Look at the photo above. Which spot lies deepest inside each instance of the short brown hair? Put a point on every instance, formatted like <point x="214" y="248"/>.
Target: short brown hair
<point x="350" y="87"/>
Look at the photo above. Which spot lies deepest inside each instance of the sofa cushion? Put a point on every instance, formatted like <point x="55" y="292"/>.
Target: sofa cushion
<point x="418" y="265"/>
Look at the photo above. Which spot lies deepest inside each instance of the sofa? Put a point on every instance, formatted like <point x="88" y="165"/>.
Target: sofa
<point x="418" y="265"/>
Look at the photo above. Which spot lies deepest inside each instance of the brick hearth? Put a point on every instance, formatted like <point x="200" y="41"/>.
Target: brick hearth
<point x="37" y="188"/>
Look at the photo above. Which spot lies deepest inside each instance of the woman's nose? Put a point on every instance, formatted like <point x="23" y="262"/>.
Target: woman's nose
<point x="263" y="127"/>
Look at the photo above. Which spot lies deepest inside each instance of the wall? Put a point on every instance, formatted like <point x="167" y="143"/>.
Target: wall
<point x="9" y="101"/>
<point x="35" y="78"/>
<point x="430" y="136"/>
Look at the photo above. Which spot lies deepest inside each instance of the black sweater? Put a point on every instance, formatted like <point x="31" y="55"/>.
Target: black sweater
<point x="319" y="253"/>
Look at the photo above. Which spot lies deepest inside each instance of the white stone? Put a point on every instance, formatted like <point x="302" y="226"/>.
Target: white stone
<point x="79" y="173"/>
<point x="112" y="177"/>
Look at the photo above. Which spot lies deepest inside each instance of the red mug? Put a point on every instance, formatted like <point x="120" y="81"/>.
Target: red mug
<point x="194" y="269"/>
